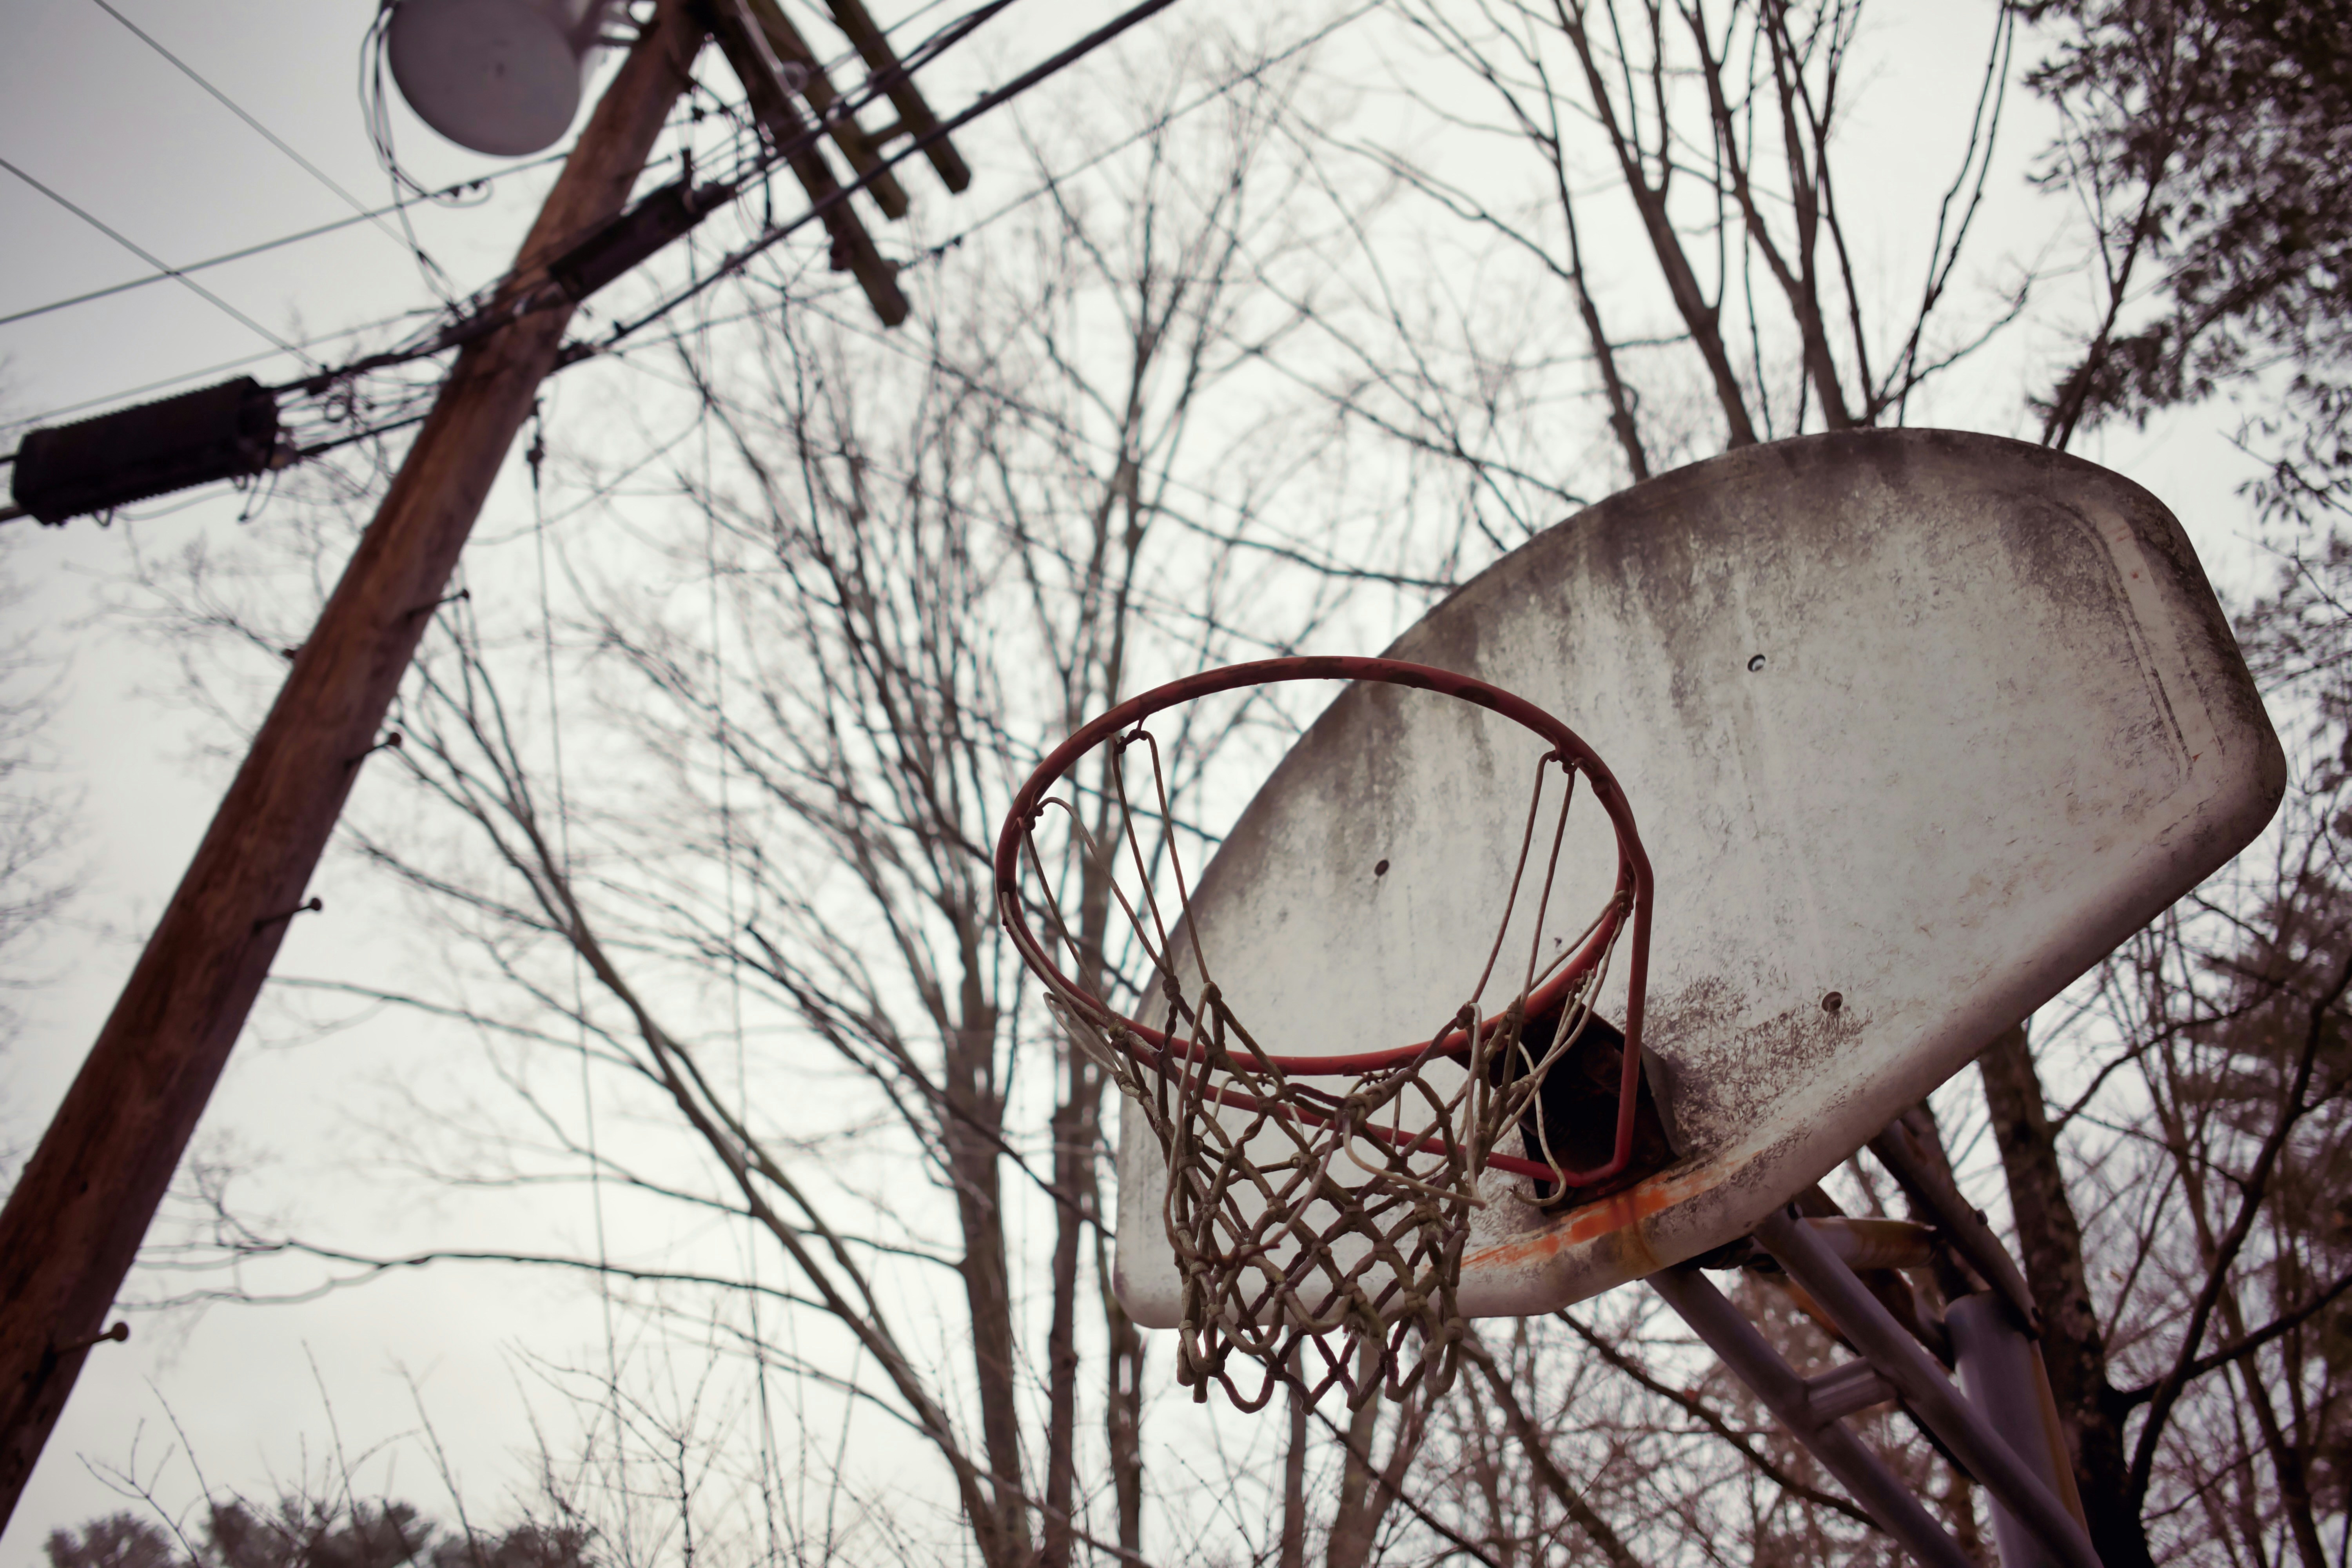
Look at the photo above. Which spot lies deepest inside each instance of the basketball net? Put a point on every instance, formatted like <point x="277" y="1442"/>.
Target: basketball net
<point x="1318" y="1227"/>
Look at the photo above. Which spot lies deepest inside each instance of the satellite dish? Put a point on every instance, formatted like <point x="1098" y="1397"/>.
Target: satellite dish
<point x="501" y="77"/>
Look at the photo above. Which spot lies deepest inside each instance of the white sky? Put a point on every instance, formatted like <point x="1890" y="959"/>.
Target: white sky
<point x="89" y="110"/>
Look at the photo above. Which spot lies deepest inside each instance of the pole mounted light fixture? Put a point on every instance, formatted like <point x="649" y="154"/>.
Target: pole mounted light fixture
<point x="501" y="77"/>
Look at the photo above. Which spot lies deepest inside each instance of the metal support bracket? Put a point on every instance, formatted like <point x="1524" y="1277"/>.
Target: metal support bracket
<point x="2002" y="1373"/>
<point x="2005" y="1432"/>
<point x="1811" y="1412"/>
<point x="1972" y="1439"/>
<point x="1970" y="1236"/>
<point x="1848" y="1387"/>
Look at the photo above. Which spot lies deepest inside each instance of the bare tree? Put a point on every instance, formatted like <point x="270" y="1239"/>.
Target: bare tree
<point x="36" y="811"/>
<point x="1576" y="135"/>
<point x="1128" y="436"/>
<point x="904" y="566"/>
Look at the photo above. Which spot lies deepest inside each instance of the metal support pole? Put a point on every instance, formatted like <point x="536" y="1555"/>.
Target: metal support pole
<point x="2002" y="1373"/>
<point x="1810" y="1412"/>
<point x="1973" y="1440"/>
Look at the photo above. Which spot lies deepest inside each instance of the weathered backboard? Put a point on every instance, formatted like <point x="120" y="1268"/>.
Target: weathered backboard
<point x="1916" y="726"/>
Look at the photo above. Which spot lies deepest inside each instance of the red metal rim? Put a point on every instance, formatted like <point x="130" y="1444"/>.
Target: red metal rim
<point x="1634" y="864"/>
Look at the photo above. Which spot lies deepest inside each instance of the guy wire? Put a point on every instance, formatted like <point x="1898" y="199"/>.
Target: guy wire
<point x="768" y="1475"/>
<point x="535" y="455"/>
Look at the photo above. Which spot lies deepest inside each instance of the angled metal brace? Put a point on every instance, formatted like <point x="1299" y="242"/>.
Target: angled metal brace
<point x="1871" y="1329"/>
<point x="1812" y="1410"/>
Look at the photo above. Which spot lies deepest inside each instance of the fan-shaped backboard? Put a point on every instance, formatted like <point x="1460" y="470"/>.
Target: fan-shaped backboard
<point x="1920" y="721"/>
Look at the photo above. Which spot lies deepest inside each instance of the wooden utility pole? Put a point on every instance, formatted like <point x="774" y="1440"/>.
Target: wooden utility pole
<point x="73" y="1225"/>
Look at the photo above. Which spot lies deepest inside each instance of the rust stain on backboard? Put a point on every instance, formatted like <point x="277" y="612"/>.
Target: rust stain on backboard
<point x="1620" y="1213"/>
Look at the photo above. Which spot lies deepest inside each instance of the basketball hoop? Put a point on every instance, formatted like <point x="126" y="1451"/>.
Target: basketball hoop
<point x="1320" y="1230"/>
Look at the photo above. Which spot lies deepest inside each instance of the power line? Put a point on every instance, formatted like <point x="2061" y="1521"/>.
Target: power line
<point x="114" y="288"/>
<point x="403" y="237"/>
<point x="936" y="44"/>
<point x="271" y="136"/>
<point x="156" y="261"/>
<point x="1206" y="97"/>
<point x="242" y="360"/>
<point x="444" y="194"/>
<point x="583" y="352"/>
<point x="996" y="99"/>
<point x="1050" y="181"/>
<point x="43" y="418"/>
<point x="931" y="253"/>
<point x="480" y="322"/>
<point x="1056" y="178"/>
<point x="188" y="375"/>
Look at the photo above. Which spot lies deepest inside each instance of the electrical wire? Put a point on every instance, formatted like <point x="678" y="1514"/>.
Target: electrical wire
<point x="996" y="99"/>
<point x="155" y="261"/>
<point x="408" y="244"/>
<point x="724" y="745"/>
<point x="568" y="898"/>
<point x="476" y="324"/>
<point x="582" y="351"/>
<point x="445" y="196"/>
<point x="462" y="192"/>
<point x="1061" y="176"/>
<point x="424" y="346"/>
<point x="472" y="318"/>
<point x="375" y="108"/>
<point x="181" y="379"/>
<point x="184" y="377"/>
<point x="463" y="188"/>
<point x="375" y="113"/>
<point x="1142" y="133"/>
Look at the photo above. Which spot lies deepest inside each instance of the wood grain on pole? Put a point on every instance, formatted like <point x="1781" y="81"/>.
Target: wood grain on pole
<point x="755" y="65"/>
<point x="915" y="116"/>
<point x="73" y="1225"/>
<point x="818" y="89"/>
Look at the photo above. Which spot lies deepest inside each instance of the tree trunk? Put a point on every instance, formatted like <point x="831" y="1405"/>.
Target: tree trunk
<point x="1353" y="1519"/>
<point x="1074" y="1128"/>
<point x="1294" y="1486"/>
<point x="2050" y="1236"/>
<point x="1123" y="1415"/>
<point x="971" y="1129"/>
